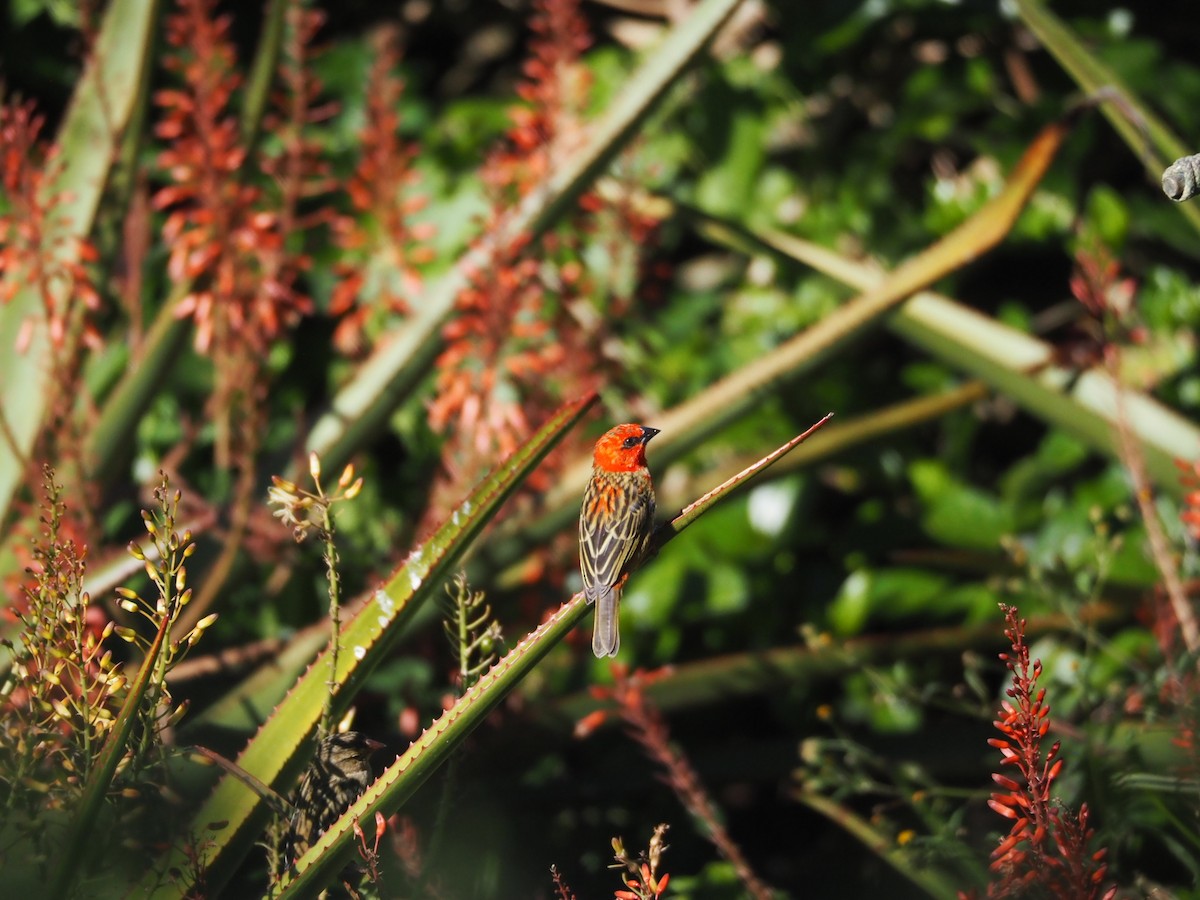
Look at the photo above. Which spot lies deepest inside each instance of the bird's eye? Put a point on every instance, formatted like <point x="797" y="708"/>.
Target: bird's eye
<point x="631" y="442"/>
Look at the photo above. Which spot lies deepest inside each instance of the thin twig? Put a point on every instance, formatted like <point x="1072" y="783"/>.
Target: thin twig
<point x="231" y="658"/>
<point x="649" y="729"/>
<point x="1131" y="455"/>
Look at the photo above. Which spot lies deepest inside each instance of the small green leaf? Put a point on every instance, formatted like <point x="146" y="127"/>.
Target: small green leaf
<point x="956" y="514"/>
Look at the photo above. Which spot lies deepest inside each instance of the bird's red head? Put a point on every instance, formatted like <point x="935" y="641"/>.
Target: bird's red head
<point x="623" y="448"/>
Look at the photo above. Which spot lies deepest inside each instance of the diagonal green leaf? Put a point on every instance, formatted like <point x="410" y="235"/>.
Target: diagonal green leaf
<point x="402" y="778"/>
<point x="99" y="110"/>
<point x="1090" y="405"/>
<point x="107" y="441"/>
<point x="273" y="755"/>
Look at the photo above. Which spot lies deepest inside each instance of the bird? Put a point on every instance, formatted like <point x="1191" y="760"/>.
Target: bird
<point x="339" y="774"/>
<point x="615" y="524"/>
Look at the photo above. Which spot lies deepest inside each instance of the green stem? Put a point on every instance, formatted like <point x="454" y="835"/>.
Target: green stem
<point x="262" y="72"/>
<point x="335" y="608"/>
<point x="878" y="843"/>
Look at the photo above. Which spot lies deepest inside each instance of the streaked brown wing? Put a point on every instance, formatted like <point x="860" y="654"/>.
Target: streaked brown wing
<point x="612" y="528"/>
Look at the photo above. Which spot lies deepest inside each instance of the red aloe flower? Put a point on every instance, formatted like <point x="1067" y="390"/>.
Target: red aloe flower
<point x="1190" y="479"/>
<point x="513" y="326"/>
<point x="33" y="251"/>
<point x="379" y="268"/>
<point x="233" y="221"/>
<point x="218" y="226"/>
<point x="1046" y="849"/>
<point x="649" y="729"/>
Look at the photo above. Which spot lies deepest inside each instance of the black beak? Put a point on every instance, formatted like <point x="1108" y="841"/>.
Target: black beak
<point x="647" y="433"/>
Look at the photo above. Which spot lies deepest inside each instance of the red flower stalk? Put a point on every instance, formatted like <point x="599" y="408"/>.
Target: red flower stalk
<point x="297" y="172"/>
<point x="382" y="249"/>
<point x="562" y="890"/>
<point x="64" y="687"/>
<point x="514" y="326"/>
<point x="42" y="253"/>
<point x="1190" y="479"/>
<point x="555" y="89"/>
<point x="226" y="233"/>
<point x="642" y="873"/>
<point x="534" y="327"/>
<point x="218" y="226"/>
<point x="1097" y="286"/>
<point x="1108" y="298"/>
<point x="1046" y="850"/>
<point x="33" y="251"/>
<point x="647" y="726"/>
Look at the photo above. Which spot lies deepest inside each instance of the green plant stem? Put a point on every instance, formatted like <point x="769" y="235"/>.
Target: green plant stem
<point x="106" y="444"/>
<point x="720" y="679"/>
<point x="335" y="608"/>
<point x="262" y="72"/>
<point x="878" y="843"/>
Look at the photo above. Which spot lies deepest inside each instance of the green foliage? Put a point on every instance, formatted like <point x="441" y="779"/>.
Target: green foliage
<point x="432" y="231"/>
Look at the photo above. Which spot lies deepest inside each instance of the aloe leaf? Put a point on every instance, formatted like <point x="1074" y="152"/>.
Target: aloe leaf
<point x="101" y="776"/>
<point x="1090" y="405"/>
<point x="248" y="705"/>
<point x="107" y="441"/>
<point x="402" y="778"/>
<point x="99" y="110"/>
<point x="699" y="507"/>
<point x="1143" y="132"/>
<point x="717" y="680"/>
<point x="272" y="756"/>
<point x="388" y="376"/>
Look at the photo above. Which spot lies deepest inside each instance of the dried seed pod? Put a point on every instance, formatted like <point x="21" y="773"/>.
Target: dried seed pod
<point x="1181" y="180"/>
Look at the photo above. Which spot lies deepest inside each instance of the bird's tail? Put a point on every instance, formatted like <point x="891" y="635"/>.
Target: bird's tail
<point x="606" y="629"/>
